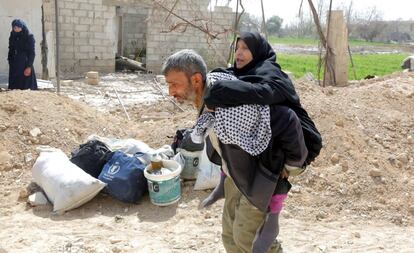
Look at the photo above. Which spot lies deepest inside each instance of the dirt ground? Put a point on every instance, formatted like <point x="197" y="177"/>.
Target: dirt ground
<point x="356" y="197"/>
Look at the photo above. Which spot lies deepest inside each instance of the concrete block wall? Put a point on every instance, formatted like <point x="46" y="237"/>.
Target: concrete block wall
<point x="87" y="31"/>
<point x="134" y="32"/>
<point x="161" y="41"/>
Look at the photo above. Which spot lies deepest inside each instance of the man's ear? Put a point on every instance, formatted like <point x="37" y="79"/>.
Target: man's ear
<point x="197" y="80"/>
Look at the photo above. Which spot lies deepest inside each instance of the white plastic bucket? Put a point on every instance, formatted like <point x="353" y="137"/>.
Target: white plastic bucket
<point x="191" y="165"/>
<point x="164" y="190"/>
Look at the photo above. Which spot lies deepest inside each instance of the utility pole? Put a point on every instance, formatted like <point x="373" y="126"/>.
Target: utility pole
<point x="263" y="21"/>
<point x="57" y="46"/>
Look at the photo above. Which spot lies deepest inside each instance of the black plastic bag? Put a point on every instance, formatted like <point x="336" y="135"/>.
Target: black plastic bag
<point x="91" y="157"/>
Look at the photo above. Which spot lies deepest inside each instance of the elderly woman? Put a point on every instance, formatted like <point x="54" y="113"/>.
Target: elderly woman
<point x="259" y="81"/>
<point x="21" y="56"/>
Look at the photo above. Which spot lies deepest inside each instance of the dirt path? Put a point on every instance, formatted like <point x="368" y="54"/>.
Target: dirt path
<point x="356" y="197"/>
<point x="105" y="225"/>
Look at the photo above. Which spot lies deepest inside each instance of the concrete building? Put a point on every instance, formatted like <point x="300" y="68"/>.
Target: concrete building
<point x="92" y="32"/>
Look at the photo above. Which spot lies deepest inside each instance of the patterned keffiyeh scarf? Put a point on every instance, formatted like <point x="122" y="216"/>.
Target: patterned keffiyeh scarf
<point x="247" y="126"/>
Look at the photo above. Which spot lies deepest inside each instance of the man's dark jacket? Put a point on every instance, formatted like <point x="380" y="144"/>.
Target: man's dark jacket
<point x="257" y="177"/>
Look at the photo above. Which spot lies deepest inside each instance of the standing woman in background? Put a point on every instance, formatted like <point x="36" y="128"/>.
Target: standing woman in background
<point x="21" y="56"/>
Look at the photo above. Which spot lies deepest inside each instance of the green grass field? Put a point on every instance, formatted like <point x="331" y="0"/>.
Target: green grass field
<point x="314" y="42"/>
<point x="373" y="64"/>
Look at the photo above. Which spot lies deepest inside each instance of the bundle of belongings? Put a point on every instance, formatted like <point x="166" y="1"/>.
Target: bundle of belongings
<point x="115" y="165"/>
<point x="193" y="159"/>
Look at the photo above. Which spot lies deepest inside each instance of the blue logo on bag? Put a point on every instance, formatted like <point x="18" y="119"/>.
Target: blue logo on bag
<point x="124" y="176"/>
<point x="114" y="169"/>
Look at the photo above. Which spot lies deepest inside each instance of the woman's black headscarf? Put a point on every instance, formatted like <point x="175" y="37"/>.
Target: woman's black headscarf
<point x="260" y="49"/>
<point x="20" y="23"/>
<point x="261" y="81"/>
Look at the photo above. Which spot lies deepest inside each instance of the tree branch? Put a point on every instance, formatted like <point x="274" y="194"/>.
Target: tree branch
<point x="205" y="29"/>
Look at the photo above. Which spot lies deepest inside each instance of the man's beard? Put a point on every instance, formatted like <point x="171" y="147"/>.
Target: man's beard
<point x="191" y="98"/>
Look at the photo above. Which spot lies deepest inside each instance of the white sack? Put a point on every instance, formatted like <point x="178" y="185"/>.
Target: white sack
<point x="66" y="185"/>
<point x="128" y="146"/>
<point x="209" y="173"/>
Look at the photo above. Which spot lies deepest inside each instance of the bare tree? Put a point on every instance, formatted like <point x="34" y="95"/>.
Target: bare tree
<point x="249" y="23"/>
<point x="263" y="20"/>
<point x="201" y="23"/>
<point x="321" y="8"/>
<point x="349" y="12"/>
<point x="369" y="24"/>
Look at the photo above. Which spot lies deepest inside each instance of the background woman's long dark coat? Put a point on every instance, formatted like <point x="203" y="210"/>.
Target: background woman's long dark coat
<point x="21" y="55"/>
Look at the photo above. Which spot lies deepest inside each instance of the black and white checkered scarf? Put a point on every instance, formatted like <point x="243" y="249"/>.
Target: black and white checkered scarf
<point x="247" y="126"/>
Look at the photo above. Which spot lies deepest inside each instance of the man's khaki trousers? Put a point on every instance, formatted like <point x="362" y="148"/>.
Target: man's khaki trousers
<point x="241" y="220"/>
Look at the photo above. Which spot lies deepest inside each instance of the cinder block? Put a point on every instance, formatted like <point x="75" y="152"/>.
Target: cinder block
<point x="95" y="14"/>
<point x="99" y="35"/>
<point x="67" y="82"/>
<point x="69" y="49"/>
<point x="71" y="5"/>
<point x="99" y="7"/>
<point x="96" y="28"/>
<point x="85" y="6"/>
<point x="80" y="13"/>
<point x="183" y="39"/>
<point x="93" y="55"/>
<point x="99" y="21"/>
<point x="81" y="28"/>
<point x="107" y="43"/>
<point x="82" y="42"/>
<point x="68" y="62"/>
<point x="84" y="35"/>
<point x="195" y="39"/>
<point x="92" y="81"/>
<point x="66" y="27"/>
<point x="153" y="57"/>
<point x="99" y="49"/>
<point x="86" y="49"/>
<point x="65" y="12"/>
<point x="70" y="34"/>
<point x="78" y="55"/>
<point x="95" y="42"/>
<point x="66" y="41"/>
<point x="85" y="21"/>
<point x="108" y="56"/>
<point x="92" y="75"/>
<point x="86" y="63"/>
<point x="65" y="55"/>
<point x="110" y="13"/>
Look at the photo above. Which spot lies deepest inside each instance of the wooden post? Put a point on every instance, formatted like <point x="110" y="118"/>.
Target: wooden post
<point x="43" y="46"/>
<point x="57" y="69"/>
<point x="338" y="43"/>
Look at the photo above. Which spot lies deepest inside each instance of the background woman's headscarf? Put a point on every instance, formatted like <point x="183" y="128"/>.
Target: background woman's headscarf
<point x="20" y="23"/>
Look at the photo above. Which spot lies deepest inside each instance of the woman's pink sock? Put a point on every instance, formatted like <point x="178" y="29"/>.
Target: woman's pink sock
<point x="276" y="203"/>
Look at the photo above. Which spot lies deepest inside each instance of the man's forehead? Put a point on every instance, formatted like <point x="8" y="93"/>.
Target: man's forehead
<point x="175" y="75"/>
